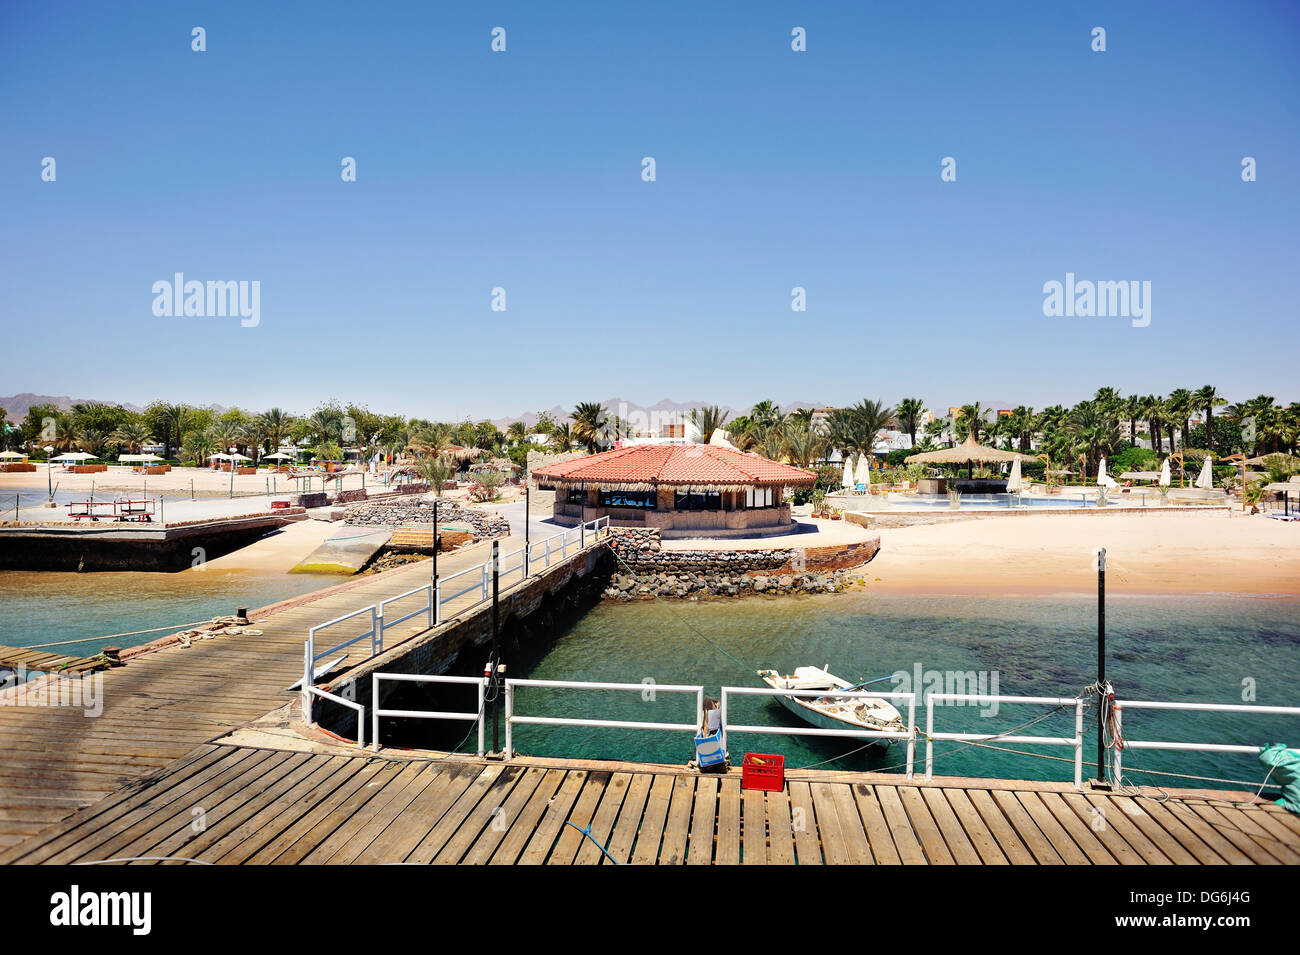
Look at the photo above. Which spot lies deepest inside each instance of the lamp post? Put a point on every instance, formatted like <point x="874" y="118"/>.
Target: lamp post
<point x="49" y="474"/>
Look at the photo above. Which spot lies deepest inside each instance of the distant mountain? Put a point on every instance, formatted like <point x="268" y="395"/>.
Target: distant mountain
<point x="637" y="413"/>
<point x="16" y="406"/>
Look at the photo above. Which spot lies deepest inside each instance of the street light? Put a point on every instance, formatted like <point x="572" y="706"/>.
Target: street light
<point x="49" y="474"/>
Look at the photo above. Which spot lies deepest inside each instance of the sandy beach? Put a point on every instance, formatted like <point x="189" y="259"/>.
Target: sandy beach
<point x="1213" y="552"/>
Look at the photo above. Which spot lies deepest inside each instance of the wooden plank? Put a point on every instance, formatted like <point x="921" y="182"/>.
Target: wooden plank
<point x="1127" y="808"/>
<point x="1124" y="840"/>
<point x="1025" y="827"/>
<point x="981" y="839"/>
<point x="370" y="818"/>
<point x="350" y="812"/>
<point x="753" y="827"/>
<point x="602" y="821"/>
<point x="803" y="820"/>
<point x="927" y="832"/>
<point x="1270" y="824"/>
<point x="526" y="821"/>
<point x="501" y="822"/>
<point x="728" y="851"/>
<point x="873" y="822"/>
<point x="699" y="849"/>
<point x="1082" y="833"/>
<point x="584" y="810"/>
<point x="359" y="773"/>
<point x="419" y="818"/>
<point x="629" y="819"/>
<point x="780" y="831"/>
<point x="557" y="811"/>
<point x="653" y="820"/>
<point x="673" y="851"/>
<point x="851" y="826"/>
<point x="473" y="812"/>
<point x="1051" y="829"/>
<point x="1241" y="832"/>
<point x="1185" y="836"/>
<point x="954" y="836"/>
<point x="900" y="827"/>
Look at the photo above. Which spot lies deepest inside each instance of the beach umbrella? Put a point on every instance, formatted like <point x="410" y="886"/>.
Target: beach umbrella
<point x="863" y="476"/>
<point x="968" y="453"/>
<point x="74" y="456"/>
<point x="848" y="472"/>
<point x="11" y="455"/>
<point x="1014" y="484"/>
<point x="1164" y="474"/>
<point x="1104" y="479"/>
<point x="1206" y="479"/>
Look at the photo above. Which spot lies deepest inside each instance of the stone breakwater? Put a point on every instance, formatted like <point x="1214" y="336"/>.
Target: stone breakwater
<point x="393" y="513"/>
<point x="642" y="568"/>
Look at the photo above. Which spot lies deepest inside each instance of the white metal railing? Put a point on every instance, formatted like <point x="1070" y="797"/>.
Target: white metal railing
<point x="1121" y="705"/>
<point x="377" y="712"/>
<point x="350" y="704"/>
<point x="437" y="596"/>
<point x="512" y="718"/>
<point x="983" y="698"/>
<point x="908" y="734"/>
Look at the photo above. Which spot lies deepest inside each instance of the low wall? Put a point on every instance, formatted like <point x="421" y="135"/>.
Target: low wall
<point x="645" y="569"/>
<point x="881" y="520"/>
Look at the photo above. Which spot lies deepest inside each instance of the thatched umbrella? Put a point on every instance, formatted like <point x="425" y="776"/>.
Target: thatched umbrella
<point x="968" y="452"/>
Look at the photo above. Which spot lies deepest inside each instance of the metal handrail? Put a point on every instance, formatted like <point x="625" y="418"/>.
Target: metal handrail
<point x="1076" y="740"/>
<point x="360" y="710"/>
<point x="511" y="718"/>
<point x="434" y="603"/>
<point x="909" y="734"/>
<point x="377" y="711"/>
<point x="1120" y="705"/>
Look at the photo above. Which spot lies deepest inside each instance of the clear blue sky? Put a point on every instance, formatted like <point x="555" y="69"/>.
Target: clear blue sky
<point x="523" y="170"/>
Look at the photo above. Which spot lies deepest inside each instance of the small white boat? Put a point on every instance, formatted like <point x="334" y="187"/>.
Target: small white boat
<point x="831" y="711"/>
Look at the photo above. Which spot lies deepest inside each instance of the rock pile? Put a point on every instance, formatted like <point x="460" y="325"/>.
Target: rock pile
<point x="484" y="524"/>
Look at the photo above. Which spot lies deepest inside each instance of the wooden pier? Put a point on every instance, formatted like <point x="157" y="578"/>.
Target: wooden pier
<point x="42" y="661"/>
<point x="230" y="804"/>
<point x="192" y="758"/>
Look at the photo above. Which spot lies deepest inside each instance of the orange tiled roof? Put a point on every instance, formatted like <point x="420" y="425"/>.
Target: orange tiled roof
<point x="692" y="464"/>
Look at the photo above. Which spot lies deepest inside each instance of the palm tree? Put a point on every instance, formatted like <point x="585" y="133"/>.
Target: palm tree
<point x="274" y="425"/>
<point x="517" y="432"/>
<point x="589" y="424"/>
<point x="132" y="435"/>
<point x="970" y="421"/>
<point x="561" y="436"/>
<point x="802" y="445"/>
<point x="435" y="470"/>
<point x="1207" y="397"/>
<point x="707" y="419"/>
<point x="430" y="439"/>
<point x="909" y="415"/>
<point x="1178" y="408"/>
<point x="1093" y="427"/>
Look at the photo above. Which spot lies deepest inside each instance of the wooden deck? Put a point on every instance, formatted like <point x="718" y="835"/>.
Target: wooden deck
<point x="42" y="661"/>
<point x="240" y="804"/>
<point x="160" y="705"/>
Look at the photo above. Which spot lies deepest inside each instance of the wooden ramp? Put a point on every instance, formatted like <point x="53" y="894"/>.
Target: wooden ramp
<point x="42" y="661"/>
<point x="239" y="804"/>
<point x="159" y="706"/>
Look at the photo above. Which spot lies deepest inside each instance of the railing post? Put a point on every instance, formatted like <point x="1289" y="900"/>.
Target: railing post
<point x="929" y="737"/>
<point x="485" y="581"/>
<point x="722" y="718"/>
<point x="376" y="628"/>
<point x="374" y="712"/>
<point x="548" y="552"/>
<point x="911" y="733"/>
<point x="582" y="535"/>
<point x="308" y="651"/>
<point x="428" y="618"/>
<point x="510" y="712"/>
<point x="1118" y="759"/>
<point x="437" y="603"/>
<point x="1078" y="743"/>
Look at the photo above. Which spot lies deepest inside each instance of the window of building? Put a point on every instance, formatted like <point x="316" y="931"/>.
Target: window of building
<point x="698" y="501"/>
<point x="639" y="499"/>
<point x="759" y="497"/>
<point x="577" y="495"/>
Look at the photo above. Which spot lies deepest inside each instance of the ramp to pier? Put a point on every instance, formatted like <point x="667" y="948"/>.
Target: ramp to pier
<point x="346" y="552"/>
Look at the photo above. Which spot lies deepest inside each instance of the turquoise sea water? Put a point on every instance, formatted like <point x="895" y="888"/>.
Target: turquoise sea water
<point x="44" y="607"/>
<point x="1176" y="648"/>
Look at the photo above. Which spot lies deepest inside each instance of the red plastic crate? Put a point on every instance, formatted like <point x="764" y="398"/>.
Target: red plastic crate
<point x="763" y="771"/>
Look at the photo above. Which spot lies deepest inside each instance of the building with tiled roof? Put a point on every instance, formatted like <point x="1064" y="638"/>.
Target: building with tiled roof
<point x="695" y="490"/>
